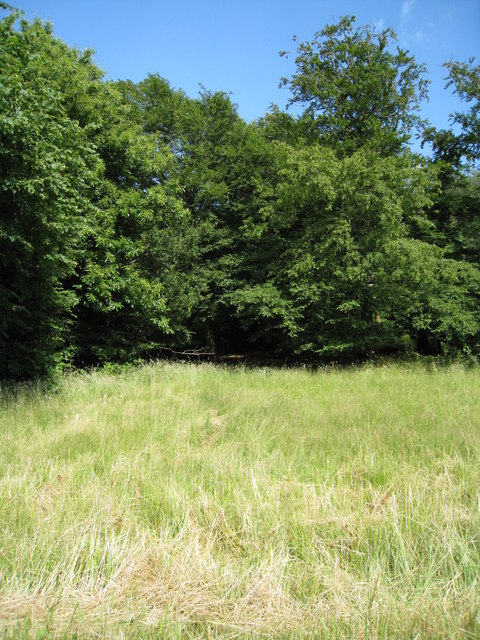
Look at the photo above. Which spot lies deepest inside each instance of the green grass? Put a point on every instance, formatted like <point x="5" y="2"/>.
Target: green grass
<point x="178" y="501"/>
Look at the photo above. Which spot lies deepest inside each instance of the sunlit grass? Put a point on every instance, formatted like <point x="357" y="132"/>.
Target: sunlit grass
<point x="178" y="501"/>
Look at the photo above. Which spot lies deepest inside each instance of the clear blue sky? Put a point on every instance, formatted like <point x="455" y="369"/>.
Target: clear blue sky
<point x="233" y="45"/>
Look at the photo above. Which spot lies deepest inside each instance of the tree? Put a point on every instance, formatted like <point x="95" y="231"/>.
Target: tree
<point x="465" y="78"/>
<point x="124" y="272"/>
<point x="431" y="297"/>
<point x="47" y="170"/>
<point x="357" y="92"/>
<point x="87" y="197"/>
<point x="126" y="302"/>
<point x="454" y="148"/>
<point x="216" y="161"/>
<point x="323" y="225"/>
<point x="456" y="152"/>
<point x="134" y="217"/>
<point x="461" y="227"/>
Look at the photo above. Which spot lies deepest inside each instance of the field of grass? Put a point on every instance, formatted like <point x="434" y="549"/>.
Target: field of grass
<point x="182" y="501"/>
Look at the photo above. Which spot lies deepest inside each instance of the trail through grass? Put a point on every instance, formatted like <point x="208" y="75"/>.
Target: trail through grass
<point x="181" y="501"/>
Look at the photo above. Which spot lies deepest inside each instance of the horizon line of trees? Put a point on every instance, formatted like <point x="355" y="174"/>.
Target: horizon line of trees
<point x="135" y="219"/>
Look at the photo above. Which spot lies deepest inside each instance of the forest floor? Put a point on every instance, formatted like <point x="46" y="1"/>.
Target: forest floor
<point x="183" y="501"/>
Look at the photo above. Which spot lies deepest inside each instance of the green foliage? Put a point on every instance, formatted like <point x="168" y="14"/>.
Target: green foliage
<point x="325" y="226"/>
<point x="462" y="199"/>
<point x="88" y="199"/>
<point x="355" y="90"/>
<point x="455" y="210"/>
<point x="465" y="78"/>
<point x="426" y="292"/>
<point x="218" y="162"/>
<point x="47" y="168"/>
<point x="135" y="218"/>
<point x="121" y="274"/>
<point x="128" y="301"/>
<point x="450" y="148"/>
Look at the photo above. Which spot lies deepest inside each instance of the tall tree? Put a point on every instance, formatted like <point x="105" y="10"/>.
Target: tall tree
<point x="456" y="154"/>
<point x="87" y="198"/>
<point x="48" y="169"/>
<point x="454" y="148"/>
<point x="216" y="160"/>
<point x="355" y="90"/>
<point x="324" y="224"/>
<point x="125" y="256"/>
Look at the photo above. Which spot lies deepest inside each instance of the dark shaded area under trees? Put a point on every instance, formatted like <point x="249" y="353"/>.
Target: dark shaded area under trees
<point x="136" y="221"/>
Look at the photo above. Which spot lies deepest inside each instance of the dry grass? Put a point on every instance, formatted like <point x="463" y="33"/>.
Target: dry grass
<point x="177" y="501"/>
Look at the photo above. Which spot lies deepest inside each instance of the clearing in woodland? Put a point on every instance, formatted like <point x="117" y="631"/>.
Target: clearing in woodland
<point x="182" y="501"/>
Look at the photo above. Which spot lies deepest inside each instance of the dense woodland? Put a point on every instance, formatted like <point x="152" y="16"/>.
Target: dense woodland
<point x="135" y="219"/>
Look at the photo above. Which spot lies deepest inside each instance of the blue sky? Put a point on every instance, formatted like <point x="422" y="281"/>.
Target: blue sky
<point x="233" y="45"/>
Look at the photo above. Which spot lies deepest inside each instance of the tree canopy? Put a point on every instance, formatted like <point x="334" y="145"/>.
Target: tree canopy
<point x="136" y="220"/>
<point x="357" y="91"/>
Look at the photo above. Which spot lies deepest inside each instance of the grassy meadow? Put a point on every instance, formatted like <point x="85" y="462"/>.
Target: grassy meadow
<point x="183" y="501"/>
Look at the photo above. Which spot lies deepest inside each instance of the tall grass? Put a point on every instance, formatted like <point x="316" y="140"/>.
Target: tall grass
<point x="178" y="501"/>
